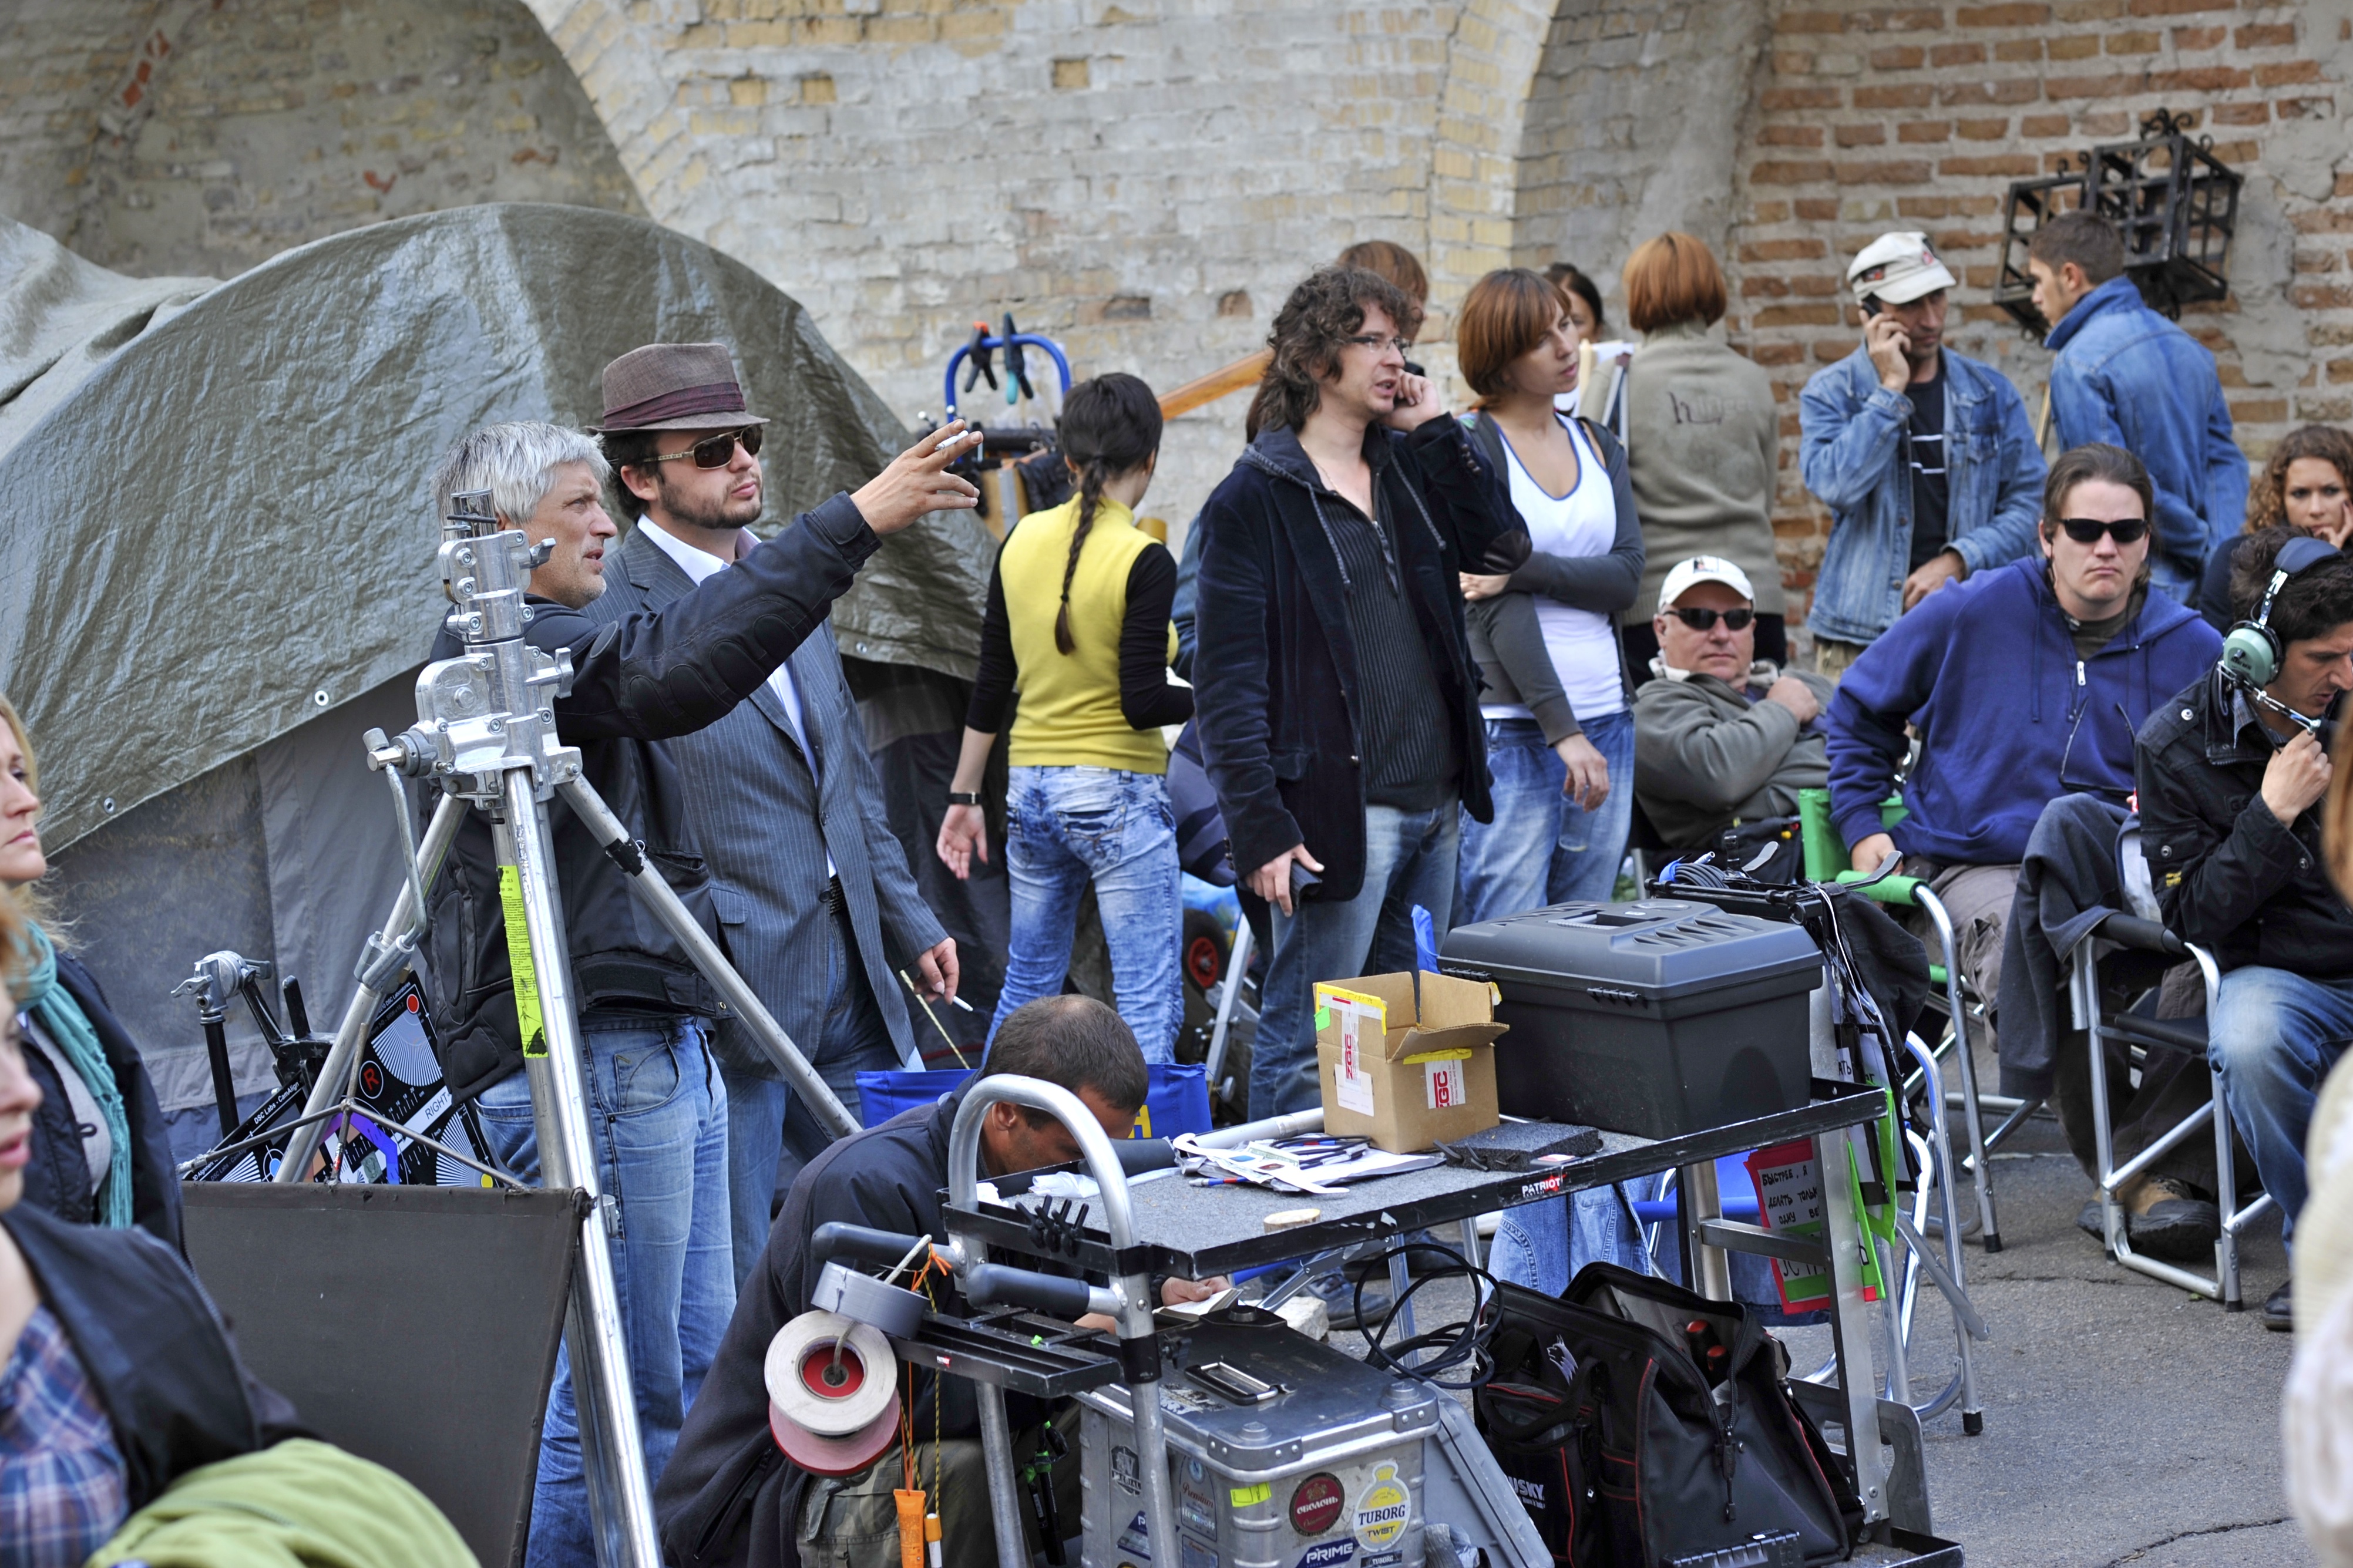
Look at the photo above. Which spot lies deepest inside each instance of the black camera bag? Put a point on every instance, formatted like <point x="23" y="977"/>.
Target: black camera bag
<point x="1630" y="1458"/>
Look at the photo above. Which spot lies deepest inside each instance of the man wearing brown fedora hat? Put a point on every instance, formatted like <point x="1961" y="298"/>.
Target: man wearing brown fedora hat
<point x="820" y="907"/>
<point x="659" y="1111"/>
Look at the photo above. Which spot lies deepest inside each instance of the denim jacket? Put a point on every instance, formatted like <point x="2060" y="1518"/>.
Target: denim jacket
<point x="1856" y="459"/>
<point x="2127" y="375"/>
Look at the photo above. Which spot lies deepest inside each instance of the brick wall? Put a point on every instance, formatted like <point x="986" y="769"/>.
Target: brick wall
<point x="1874" y="117"/>
<point x="202" y="137"/>
<point x="1144" y="180"/>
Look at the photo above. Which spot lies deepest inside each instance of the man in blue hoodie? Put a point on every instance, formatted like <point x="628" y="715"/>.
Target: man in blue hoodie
<point x="2024" y="683"/>
<point x="2128" y="376"/>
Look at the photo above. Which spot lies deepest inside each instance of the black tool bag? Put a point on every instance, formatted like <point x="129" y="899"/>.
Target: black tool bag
<point x="1644" y="1426"/>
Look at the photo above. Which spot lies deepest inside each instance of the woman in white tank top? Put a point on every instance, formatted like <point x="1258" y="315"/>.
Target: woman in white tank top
<point x="1560" y="732"/>
<point x="1560" y="728"/>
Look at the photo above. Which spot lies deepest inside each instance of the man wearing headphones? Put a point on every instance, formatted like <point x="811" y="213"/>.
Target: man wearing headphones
<point x="2230" y="772"/>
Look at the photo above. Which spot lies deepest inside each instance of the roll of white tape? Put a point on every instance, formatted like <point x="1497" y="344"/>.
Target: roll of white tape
<point x="820" y="1395"/>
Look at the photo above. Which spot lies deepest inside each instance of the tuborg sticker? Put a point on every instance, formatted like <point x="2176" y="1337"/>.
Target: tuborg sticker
<point x="1315" y="1506"/>
<point x="1383" y="1508"/>
<point x="1327" y="1554"/>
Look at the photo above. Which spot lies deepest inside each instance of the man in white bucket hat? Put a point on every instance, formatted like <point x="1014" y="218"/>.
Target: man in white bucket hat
<point x="1924" y="456"/>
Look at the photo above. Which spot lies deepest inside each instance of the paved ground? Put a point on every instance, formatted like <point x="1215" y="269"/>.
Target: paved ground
<point x="2126" y="1421"/>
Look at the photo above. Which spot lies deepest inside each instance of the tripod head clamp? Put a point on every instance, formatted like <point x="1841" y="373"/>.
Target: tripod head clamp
<point x="219" y="976"/>
<point x="490" y="710"/>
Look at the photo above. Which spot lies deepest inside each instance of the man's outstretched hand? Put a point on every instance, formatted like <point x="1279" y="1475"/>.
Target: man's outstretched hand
<point x="917" y="481"/>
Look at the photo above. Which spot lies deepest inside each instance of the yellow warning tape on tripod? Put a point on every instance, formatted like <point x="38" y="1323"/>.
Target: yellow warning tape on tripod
<point x="526" y="979"/>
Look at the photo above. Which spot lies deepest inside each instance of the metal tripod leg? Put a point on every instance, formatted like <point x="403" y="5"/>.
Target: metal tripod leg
<point x="667" y="908"/>
<point x="623" y="1504"/>
<point x="344" y="1057"/>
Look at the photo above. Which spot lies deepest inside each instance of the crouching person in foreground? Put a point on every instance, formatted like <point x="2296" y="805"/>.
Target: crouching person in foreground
<point x="729" y="1496"/>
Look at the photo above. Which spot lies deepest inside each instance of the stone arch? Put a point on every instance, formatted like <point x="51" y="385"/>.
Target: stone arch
<point x="1493" y="59"/>
<point x="1635" y="124"/>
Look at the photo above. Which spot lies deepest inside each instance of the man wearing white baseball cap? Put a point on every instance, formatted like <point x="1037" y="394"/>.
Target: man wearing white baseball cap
<point x="1722" y="738"/>
<point x="1924" y="456"/>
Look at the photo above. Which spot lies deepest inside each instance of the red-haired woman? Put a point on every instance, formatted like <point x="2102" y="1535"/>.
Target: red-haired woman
<point x="1702" y="439"/>
<point x="1560" y="732"/>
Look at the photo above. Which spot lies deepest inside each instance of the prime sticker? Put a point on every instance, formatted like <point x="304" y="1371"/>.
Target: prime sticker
<point x="1327" y="1554"/>
<point x="1383" y="1509"/>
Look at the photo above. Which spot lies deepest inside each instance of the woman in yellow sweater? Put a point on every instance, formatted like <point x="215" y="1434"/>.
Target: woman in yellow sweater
<point x="1078" y="623"/>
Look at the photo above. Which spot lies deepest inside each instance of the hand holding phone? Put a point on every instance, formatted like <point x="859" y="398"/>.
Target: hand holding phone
<point x="1889" y="346"/>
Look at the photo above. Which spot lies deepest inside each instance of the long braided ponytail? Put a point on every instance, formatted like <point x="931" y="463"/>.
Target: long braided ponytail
<point x="1110" y="426"/>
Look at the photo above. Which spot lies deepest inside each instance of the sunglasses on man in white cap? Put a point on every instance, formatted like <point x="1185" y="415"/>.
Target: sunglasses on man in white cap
<point x="1685" y="575"/>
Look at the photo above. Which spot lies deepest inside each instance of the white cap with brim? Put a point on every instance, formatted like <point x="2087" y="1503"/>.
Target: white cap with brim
<point x="1687" y="575"/>
<point x="1899" y="268"/>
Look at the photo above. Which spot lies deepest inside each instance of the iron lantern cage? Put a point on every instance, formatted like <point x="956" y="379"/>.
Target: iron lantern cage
<point x="2174" y="205"/>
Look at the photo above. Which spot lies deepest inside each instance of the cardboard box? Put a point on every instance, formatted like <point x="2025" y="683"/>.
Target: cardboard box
<point x="1406" y="1077"/>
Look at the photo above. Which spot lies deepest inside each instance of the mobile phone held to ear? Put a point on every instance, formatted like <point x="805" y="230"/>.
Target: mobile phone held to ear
<point x="1871" y="306"/>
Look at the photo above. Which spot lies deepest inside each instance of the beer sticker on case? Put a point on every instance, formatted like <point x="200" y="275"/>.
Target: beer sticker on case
<point x="1315" y="1506"/>
<point x="1383" y="1509"/>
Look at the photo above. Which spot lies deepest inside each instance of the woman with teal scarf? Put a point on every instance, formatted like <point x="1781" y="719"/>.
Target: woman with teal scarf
<point x="100" y="1155"/>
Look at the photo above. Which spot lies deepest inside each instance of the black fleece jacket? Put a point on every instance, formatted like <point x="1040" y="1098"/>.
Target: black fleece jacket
<point x="1275" y="675"/>
<point x="154" y="1347"/>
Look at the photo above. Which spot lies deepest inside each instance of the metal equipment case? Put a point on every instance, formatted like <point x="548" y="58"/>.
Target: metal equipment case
<point x="1322" y="1465"/>
<point x="1658" y="1018"/>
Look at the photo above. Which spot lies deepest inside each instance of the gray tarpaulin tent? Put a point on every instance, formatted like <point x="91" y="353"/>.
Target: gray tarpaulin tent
<point x="216" y="554"/>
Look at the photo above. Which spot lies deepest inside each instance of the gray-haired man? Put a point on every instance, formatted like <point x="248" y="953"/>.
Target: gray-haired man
<point x="658" y="1112"/>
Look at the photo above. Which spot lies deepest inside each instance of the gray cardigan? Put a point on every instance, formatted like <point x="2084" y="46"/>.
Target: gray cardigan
<point x="1707" y="755"/>
<point x="1505" y="636"/>
<point x="1704" y="438"/>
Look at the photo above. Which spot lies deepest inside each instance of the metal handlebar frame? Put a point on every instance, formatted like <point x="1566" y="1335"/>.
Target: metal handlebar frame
<point x="1139" y="1350"/>
<point x="992" y="344"/>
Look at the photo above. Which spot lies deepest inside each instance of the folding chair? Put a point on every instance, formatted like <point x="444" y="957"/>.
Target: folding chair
<point x="1827" y="860"/>
<point x="2140" y="1035"/>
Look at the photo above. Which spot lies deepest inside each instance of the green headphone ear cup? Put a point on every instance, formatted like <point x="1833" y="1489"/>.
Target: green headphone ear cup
<point x="2251" y="653"/>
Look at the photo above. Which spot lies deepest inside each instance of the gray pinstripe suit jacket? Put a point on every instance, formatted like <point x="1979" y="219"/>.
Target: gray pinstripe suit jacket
<point x="758" y="817"/>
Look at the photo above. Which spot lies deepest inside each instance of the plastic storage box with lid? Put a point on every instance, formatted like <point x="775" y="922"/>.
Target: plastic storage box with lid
<point x="1657" y="1017"/>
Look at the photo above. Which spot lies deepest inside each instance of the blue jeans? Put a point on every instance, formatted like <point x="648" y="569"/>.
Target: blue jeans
<point x="658" y="1118"/>
<point x="771" y="1131"/>
<point x="1542" y="1246"/>
<point x="1063" y="828"/>
<point x="1544" y="848"/>
<point x="2273" y="1038"/>
<point x="1408" y="860"/>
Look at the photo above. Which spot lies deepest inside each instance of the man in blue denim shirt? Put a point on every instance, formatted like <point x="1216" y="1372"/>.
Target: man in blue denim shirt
<point x="2128" y="376"/>
<point x="1923" y="457"/>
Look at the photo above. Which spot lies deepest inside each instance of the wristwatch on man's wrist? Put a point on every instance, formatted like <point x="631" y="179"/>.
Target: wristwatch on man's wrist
<point x="964" y="797"/>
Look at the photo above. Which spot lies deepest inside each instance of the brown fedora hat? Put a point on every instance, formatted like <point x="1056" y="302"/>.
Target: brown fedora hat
<point x="673" y="386"/>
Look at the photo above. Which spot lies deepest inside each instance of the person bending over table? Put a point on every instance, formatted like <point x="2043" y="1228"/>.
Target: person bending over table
<point x="2228" y="787"/>
<point x="729" y="1496"/>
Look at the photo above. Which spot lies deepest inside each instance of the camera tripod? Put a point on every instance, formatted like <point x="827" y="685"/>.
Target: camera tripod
<point x="486" y="732"/>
